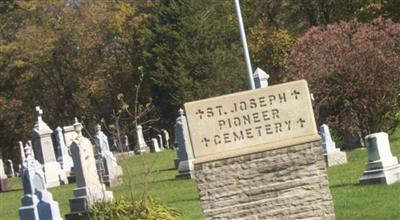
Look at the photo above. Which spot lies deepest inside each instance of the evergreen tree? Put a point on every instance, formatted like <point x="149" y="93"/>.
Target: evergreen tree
<point x="194" y="53"/>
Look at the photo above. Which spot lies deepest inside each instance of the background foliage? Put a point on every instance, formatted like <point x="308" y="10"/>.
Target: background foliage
<point x="79" y="57"/>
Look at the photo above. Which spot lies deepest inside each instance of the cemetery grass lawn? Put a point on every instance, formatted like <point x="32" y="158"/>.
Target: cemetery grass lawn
<point x="351" y="200"/>
<point x="180" y="194"/>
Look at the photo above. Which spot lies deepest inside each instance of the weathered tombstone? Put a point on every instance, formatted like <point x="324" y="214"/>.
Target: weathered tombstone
<point x="160" y="141"/>
<point x="260" y="78"/>
<point x="37" y="202"/>
<point x="258" y="155"/>
<point x="11" y="172"/>
<point x="141" y="146"/>
<point x="88" y="189"/>
<point x="382" y="166"/>
<point x="126" y="143"/>
<point x="29" y="144"/>
<point x="185" y="152"/>
<point x="44" y="152"/>
<point x="112" y="172"/>
<point x="63" y="157"/>
<point x="69" y="133"/>
<point x="155" y="146"/>
<point x="166" y="138"/>
<point x="22" y="155"/>
<point x="21" y="151"/>
<point x="332" y="155"/>
<point x="4" y="182"/>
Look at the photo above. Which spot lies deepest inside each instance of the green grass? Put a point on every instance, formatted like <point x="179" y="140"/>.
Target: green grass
<point x="180" y="194"/>
<point x="354" y="201"/>
<point x="351" y="200"/>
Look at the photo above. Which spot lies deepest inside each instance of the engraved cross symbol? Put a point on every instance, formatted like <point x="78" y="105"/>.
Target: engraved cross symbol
<point x="295" y="93"/>
<point x="301" y="122"/>
<point x="38" y="113"/>
<point x="200" y="113"/>
<point x="205" y="141"/>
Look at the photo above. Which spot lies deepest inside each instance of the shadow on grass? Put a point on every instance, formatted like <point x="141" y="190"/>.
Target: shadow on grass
<point x="163" y="170"/>
<point x="167" y="180"/>
<point x="344" y="185"/>
<point x="11" y="190"/>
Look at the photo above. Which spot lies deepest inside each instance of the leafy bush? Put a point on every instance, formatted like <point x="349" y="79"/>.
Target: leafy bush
<point x="124" y="209"/>
<point x="353" y="71"/>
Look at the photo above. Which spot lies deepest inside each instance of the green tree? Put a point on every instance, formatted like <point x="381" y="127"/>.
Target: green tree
<point x="193" y="53"/>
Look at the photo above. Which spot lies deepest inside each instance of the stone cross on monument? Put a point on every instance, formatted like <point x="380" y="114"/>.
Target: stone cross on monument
<point x="44" y="151"/>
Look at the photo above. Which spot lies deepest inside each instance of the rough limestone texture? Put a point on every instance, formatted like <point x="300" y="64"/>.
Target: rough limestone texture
<point x="283" y="183"/>
<point x="382" y="167"/>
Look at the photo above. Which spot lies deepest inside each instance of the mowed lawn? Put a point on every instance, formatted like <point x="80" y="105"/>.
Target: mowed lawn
<point x="351" y="200"/>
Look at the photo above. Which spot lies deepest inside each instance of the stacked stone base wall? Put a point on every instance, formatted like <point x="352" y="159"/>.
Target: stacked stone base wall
<point x="284" y="183"/>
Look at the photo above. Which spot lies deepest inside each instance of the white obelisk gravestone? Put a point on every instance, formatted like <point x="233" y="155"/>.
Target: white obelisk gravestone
<point x="166" y="138"/>
<point x="63" y="157"/>
<point x="141" y="143"/>
<point x="185" y="152"/>
<point x="332" y="155"/>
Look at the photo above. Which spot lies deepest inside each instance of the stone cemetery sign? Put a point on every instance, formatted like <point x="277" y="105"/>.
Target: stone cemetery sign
<point x="258" y="155"/>
<point x="263" y="116"/>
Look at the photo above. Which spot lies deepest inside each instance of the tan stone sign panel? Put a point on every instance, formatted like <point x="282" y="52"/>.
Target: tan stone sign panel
<point x="241" y="120"/>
